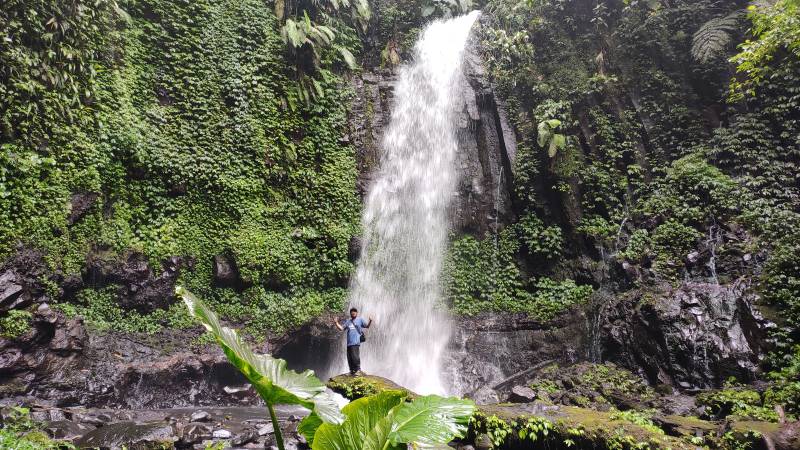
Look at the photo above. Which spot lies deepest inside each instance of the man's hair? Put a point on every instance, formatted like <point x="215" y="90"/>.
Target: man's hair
<point x="353" y="309"/>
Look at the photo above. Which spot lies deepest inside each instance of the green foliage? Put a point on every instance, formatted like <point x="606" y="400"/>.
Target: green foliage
<point x="386" y="421"/>
<point x="673" y="242"/>
<point x="736" y="400"/>
<point x="540" y="241"/>
<point x="15" y="323"/>
<point x="19" y="432"/>
<point x="714" y="38"/>
<point x="785" y="387"/>
<point x="187" y="144"/>
<point x="484" y="276"/>
<point x="309" y="31"/>
<point x="547" y="136"/>
<point x="445" y="8"/>
<point x="776" y="29"/>
<point x="642" y="418"/>
<point x="781" y="289"/>
<point x="693" y="192"/>
<point x="269" y="376"/>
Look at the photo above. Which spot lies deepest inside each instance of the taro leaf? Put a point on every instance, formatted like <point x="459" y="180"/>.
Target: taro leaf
<point x="431" y="420"/>
<point x="543" y="134"/>
<point x="365" y="427"/>
<point x="271" y="379"/>
<point x="384" y="422"/>
<point x="553" y="123"/>
<point x="559" y="141"/>
<point x="308" y="427"/>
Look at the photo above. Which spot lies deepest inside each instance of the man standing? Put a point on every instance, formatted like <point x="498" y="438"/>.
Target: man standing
<point x="355" y="335"/>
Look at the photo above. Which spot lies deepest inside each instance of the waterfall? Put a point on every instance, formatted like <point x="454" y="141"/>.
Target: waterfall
<point x="405" y="219"/>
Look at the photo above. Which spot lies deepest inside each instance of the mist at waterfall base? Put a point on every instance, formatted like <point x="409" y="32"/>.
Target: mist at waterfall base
<point x="405" y="219"/>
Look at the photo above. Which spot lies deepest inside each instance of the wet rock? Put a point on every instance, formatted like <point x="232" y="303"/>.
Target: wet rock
<point x="226" y="273"/>
<point x="80" y="204"/>
<point x="485" y="395"/>
<point x="195" y="432"/>
<point x="139" y="288"/>
<point x="69" y="338"/>
<point x="66" y="430"/>
<point x="521" y="394"/>
<point x="129" y="435"/>
<point x="788" y="436"/>
<point x="11" y="292"/>
<point x="244" y="438"/>
<point x="488" y="348"/>
<point x="98" y="419"/>
<point x="695" y="336"/>
<point x="221" y="434"/>
<point x="200" y="416"/>
<point x="266" y="429"/>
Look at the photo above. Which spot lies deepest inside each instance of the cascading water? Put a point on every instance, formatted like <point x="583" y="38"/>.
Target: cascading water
<point x="405" y="218"/>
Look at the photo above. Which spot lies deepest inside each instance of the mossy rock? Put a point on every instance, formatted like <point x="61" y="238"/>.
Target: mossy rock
<point x="537" y="425"/>
<point x="354" y="387"/>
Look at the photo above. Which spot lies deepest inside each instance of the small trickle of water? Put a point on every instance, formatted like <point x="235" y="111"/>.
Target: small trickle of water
<point x="405" y="218"/>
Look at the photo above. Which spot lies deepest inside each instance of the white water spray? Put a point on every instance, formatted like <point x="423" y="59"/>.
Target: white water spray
<point x="405" y="218"/>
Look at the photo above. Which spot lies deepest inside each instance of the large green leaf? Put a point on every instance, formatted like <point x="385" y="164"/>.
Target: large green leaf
<point x="430" y="421"/>
<point x="362" y="417"/>
<point x="384" y="422"/>
<point x="271" y="379"/>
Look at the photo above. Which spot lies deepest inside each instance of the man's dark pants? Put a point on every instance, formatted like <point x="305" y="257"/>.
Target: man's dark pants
<point x="353" y="358"/>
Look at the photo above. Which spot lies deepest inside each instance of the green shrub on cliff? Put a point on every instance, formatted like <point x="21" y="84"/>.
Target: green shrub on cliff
<point x="170" y="118"/>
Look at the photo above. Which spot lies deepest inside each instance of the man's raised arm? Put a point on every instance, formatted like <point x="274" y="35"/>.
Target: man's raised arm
<point x="336" y="322"/>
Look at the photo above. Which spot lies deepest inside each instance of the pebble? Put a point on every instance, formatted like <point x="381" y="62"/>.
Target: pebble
<point x="200" y="416"/>
<point x="222" y="434"/>
<point x="266" y="429"/>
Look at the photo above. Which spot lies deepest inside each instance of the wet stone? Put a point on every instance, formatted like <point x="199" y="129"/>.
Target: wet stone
<point x="195" y="432"/>
<point x="266" y="429"/>
<point x="244" y="438"/>
<point x="66" y="430"/>
<point x="128" y="434"/>
<point x="200" y="416"/>
<point x="222" y="434"/>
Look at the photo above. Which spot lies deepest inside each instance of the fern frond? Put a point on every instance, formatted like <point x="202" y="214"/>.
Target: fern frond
<point x="713" y="39"/>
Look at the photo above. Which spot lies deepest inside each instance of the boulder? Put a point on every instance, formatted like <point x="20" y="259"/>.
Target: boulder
<point x="140" y="288"/>
<point x="522" y="394"/>
<point x="226" y="273"/>
<point x="11" y="292"/>
<point x="66" y="430"/>
<point x="694" y="336"/>
<point x="200" y="416"/>
<point x="80" y="204"/>
<point x="193" y="433"/>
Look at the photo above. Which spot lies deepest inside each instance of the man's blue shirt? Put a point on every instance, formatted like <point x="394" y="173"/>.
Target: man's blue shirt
<point x="352" y="327"/>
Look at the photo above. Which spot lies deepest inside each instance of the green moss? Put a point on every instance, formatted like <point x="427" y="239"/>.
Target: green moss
<point x="739" y="401"/>
<point x="15" y="323"/>
<point x="364" y="385"/>
<point x="21" y="433"/>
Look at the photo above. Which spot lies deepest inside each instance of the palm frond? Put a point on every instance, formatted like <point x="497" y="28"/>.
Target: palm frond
<point x="714" y="38"/>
